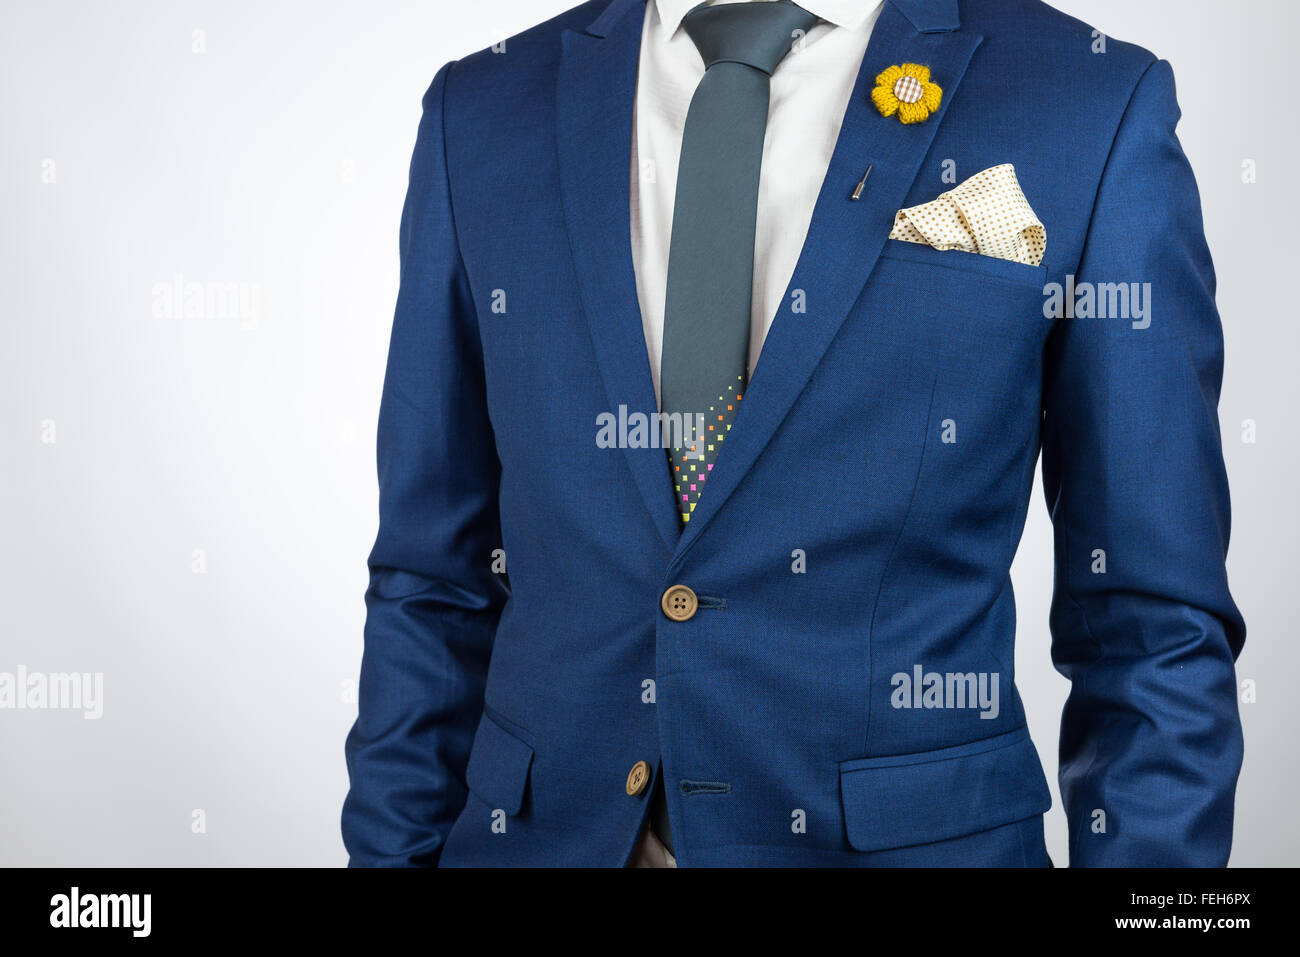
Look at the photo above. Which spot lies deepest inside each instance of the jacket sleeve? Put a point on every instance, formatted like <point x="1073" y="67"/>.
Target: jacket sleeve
<point x="433" y="601"/>
<point x="1143" y="624"/>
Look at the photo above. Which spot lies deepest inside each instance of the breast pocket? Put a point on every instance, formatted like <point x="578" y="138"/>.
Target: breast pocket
<point x="970" y="264"/>
<point x="959" y="309"/>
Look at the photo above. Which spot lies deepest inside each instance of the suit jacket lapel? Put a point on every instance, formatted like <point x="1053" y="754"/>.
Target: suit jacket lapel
<point x="594" y="103"/>
<point x="845" y="237"/>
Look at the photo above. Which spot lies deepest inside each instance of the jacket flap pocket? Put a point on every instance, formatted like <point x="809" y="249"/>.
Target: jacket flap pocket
<point x="498" y="766"/>
<point x="939" y="795"/>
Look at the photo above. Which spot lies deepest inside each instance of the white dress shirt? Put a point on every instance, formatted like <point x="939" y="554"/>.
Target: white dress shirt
<point x="810" y="92"/>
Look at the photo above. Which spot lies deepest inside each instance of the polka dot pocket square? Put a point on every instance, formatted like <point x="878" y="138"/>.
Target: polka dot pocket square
<point x="987" y="215"/>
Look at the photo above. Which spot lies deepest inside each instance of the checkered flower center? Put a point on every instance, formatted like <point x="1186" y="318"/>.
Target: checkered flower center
<point x="908" y="89"/>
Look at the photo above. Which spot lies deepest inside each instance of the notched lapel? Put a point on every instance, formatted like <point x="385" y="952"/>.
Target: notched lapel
<point x="845" y="237"/>
<point x="594" y="108"/>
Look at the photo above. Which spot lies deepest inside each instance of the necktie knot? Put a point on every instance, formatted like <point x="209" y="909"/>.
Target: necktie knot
<point x="757" y="34"/>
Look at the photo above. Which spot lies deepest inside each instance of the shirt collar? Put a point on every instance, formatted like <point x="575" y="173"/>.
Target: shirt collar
<point x="842" y="13"/>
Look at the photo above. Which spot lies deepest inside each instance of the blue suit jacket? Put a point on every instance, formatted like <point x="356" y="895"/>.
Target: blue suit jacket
<point x="861" y="522"/>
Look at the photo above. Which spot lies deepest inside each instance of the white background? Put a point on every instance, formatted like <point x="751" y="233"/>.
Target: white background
<point x="278" y="159"/>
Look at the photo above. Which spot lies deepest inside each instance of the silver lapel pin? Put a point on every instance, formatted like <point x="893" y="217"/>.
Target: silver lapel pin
<point x="857" y="193"/>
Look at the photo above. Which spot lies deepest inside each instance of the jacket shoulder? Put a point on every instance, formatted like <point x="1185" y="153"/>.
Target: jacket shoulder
<point x="1048" y="43"/>
<point x="530" y="56"/>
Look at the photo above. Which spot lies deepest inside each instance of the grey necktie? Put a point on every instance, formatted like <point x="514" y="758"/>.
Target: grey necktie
<point x="711" y="256"/>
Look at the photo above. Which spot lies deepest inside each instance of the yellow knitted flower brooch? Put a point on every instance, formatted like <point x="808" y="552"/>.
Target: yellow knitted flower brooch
<point x="907" y="91"/>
